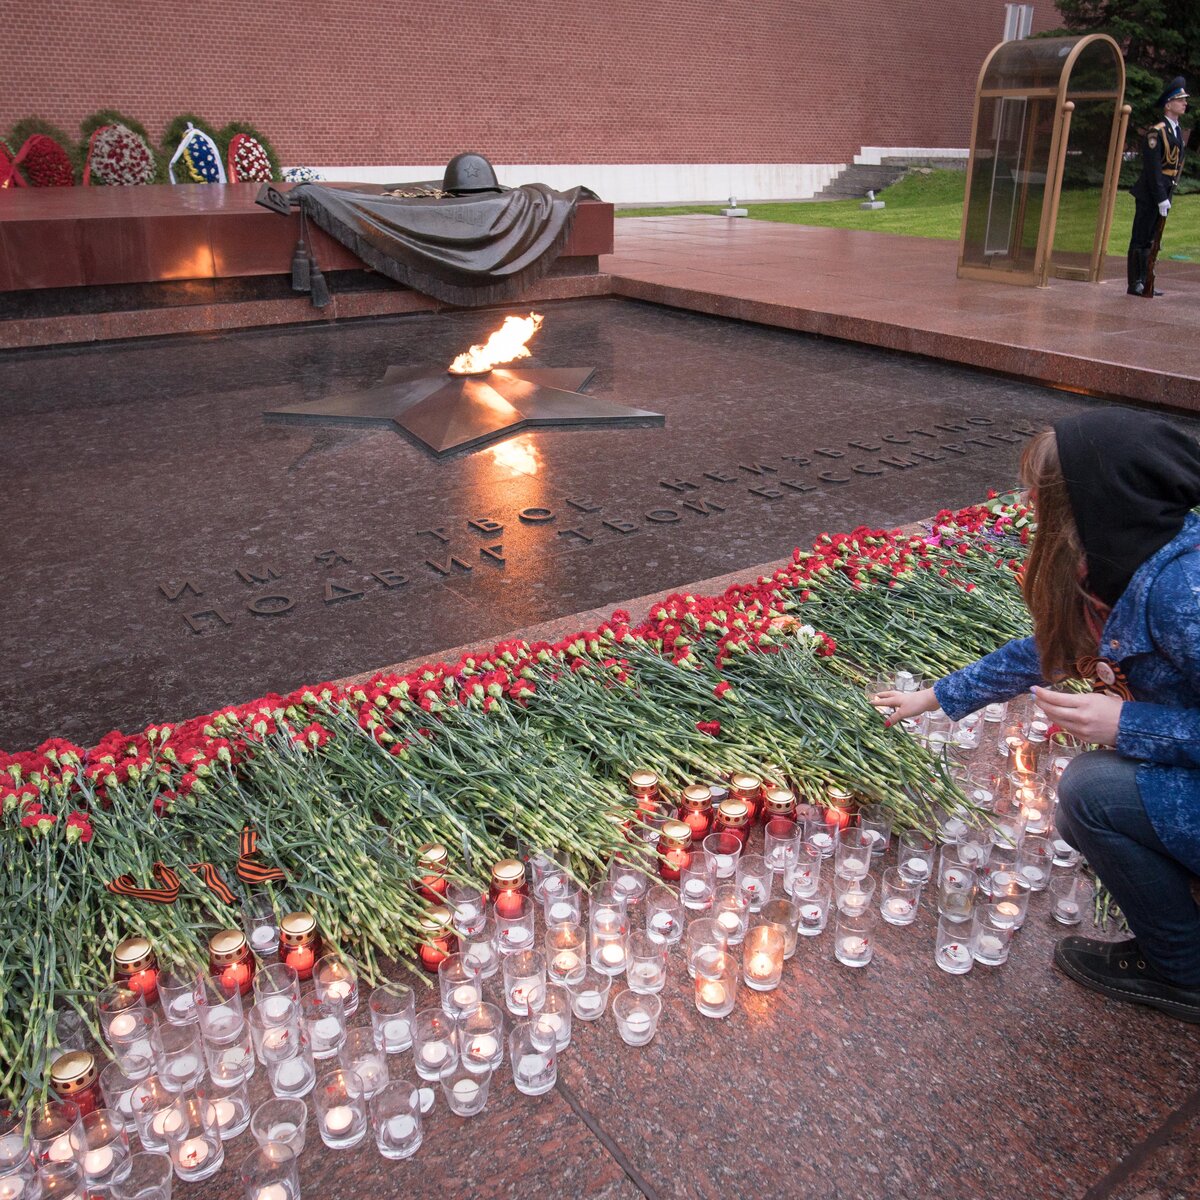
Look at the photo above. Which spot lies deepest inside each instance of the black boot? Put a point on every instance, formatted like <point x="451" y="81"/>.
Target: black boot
<point x="1136" y="265"/>
<point x="1120" y="971"/>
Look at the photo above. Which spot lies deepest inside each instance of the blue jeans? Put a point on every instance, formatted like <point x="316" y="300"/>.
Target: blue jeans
<point x="1101" y="814"/>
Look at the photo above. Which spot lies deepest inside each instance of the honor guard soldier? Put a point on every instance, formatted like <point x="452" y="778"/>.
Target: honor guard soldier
<point x="1162" y="161"/>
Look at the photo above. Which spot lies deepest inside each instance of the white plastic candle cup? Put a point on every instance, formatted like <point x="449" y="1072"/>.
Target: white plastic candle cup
<point x="589" y="997"/>
<point x="341" y="1109"/>
<point x="396" y="1120"/>
<point x="392" y="1006"/>
<point x="636" y="1016"/>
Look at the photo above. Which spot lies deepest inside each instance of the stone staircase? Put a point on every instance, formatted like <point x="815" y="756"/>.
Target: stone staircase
<point x="853" y="182"/>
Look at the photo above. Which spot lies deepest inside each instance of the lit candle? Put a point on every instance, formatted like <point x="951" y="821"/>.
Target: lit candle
<point x="12" y="1188"/>
<point x="339" y="989"/>
<point x="97" y="1162"/>
<point x="273" y="1191"/>
<point x="1068" y="910"/>
<point x="897" y="906"/>
<point x="372" y="1072"/>
<point x="465" y="996"/>
<point x="1006" y="913"/>
<point x="192" y="1153"/>
<point x="855" y="901"/>
<point x="122" y="1025"/>
<point x="60" y="1150"/>
<point x="761" y="966"/>
<point x="339" y="1119"/>
<point x="612" y="955"/>
<point x="165" y="1122"/>
<point x="712" y="993"/>
<point x="223" y="1112"/>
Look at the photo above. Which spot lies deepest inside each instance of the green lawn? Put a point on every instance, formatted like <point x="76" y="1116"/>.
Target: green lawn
<point x="931" y="206"/>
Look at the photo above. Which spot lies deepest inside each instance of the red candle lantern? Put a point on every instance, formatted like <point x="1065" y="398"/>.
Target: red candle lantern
<point x="733" y="816"/>
<point x="432" y="861"/>
<point x="674" y="849"/>
<point x="439" y="940"/>
<point x="75" y="1077"/>
<point x="643" y="787"/>
<point x="135" y="966"/>
<point x="299" y="943"/>
<point x="508" y="886"/>
<point x="779" y="801"/>
<point x="695" y="810"/>
<point x="230" y="960"/>
<point x="837" y="806"/>
<point x="748" y="789"/>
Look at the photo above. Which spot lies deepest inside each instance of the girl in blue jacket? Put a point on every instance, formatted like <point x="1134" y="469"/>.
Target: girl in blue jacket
<point x="1112" y="583"/>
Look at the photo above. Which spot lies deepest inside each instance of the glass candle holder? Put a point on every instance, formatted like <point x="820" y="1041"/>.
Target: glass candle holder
<point x="335" y="978"/>
<point x="219" y="1009"/>
<point x="853" y="896"/>
<point x="270" y="1173"/>
<point x="534" y="1063"/>
<point x="628" y="882"/>
<point x="803" y="873"/>
<point x="973" y="848"/>
<point x="299" y="943"/>
<point x="783" y="915"/>
<point x="814" y="909"/>
<point x="508" y="883"/>
<point x="102" y="1147"/>
<point x="958" y="889"/>
<point x="276" y="990"/>
<point x="293" y="1076"/>
<point x="55" y="1128"/>
<point x="697" y="882"/>
<point x="1070" y="896"/>
<point x="284" y="1121"/>
<point x="821" y="836"/>
<point x="781" y="838"/>
<point x="230" y="1060"/>
<point x="396" y="1120"/>
<point x="646" y="969"/>
<point x="117" y="1007"/>
<point x="754" y="879"/>
<point x="459" y="983"/>
<point x="515" y="927"/>
<point x="481" y="1039"/>
<point x="469" y="906"/>
<point x="193" y="1139"/>
<point x="762" y="958"/>
<point x="75" y="1077"/>
<point x="60" y="1181"/>
<point x="15" y="1154"/>
<point x="608" y="948"/>
<point x="562" y="903"/>
<point x="480" y="948"/>
<point x="550" y="1014"/>
<point x="704" y="941"/>
<point x="899" y="898"/>
<point x="565" y="953"/>
<point x="717" y="986"/>
<point x="992" y="938"/>
<point x="273" y="1038"/>
<point x="392" y="1007"/>
<point x="230" y="1110"/>
<point x="1065" y="855"/>
<point x="852" y="853"/>
<point x="914" y="856"/>
<point x="967" y="732"/>
<point x="70" y="1031"/>
<point x="522" y="972"/>
<point x="854" y="938"/>
<point x="722" y="851"/>
<point x="359" y="1054"/>
<point x="589" y="997"/>
<point x="438" y="937"/>
<point x="178" y="1056"/>
<point x="325" y="1023"/>
<point x="341" y="1109"/>
<point x="152" y="1101"/>
<point x="176" y="993"/>
<point x="548" y="869"/>
<point x="135" y="1041"/>
<point x="1035" y="803"/>
<point x="117" y="1082"/>
<point x="731" y="912"/>
<point x="951" y="822"/>
<point x="664" y="916"/>
<point x="1010" y="898"/>
<point x="607" y="909"/>
<point x="261" y="925"/>
<point x="148" y="1178"/>
<point x="466" y="1092"/>
<point x="434" y="1045"/>
<point x="955" y="949"/>
<point x="876" y="822"/>
<point x="1036" y="862"/>
<point x="637" y="1016"/>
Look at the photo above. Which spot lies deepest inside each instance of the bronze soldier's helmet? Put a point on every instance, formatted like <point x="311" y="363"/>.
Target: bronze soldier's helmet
<point x="466" y="173"/>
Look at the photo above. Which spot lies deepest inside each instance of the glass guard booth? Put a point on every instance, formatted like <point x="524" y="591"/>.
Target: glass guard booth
<point x="1045" y="160"/>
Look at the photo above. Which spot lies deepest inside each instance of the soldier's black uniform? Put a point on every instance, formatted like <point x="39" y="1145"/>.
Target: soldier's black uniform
<point x="1162" y="160"/>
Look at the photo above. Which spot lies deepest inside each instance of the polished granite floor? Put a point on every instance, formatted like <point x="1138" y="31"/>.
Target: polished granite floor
<point x="168" y="550"/>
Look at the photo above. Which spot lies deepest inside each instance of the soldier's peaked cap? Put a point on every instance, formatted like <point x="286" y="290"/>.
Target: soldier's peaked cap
<point x="1175" y="90"/>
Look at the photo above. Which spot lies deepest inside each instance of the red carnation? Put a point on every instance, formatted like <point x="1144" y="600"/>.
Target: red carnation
<point x="722" y="688"/>
<point x="712" y="728"/>
<point x="79" y="828"/>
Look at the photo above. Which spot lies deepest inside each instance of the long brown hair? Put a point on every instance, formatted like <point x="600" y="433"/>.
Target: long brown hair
<point x="1052" y="582"/>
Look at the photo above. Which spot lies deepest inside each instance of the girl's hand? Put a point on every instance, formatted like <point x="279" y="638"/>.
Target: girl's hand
<point x="902" y="706"/>
<point x="1090" y="716"/>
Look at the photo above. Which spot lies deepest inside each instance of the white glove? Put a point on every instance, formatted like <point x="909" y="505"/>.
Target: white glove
<point x="1164" y="207"/>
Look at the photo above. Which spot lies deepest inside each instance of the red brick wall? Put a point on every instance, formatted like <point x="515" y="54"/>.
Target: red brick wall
<point x="415" y="81"/>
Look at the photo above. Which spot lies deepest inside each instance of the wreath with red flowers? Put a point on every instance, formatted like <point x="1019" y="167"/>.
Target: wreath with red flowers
<point x="9" y="175"/>
<point x="249" y="157"/>
<point x="117" y="157"/>
<point x="47" y="157"/>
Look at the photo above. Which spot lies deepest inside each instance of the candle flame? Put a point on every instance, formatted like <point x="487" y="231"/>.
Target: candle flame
<point x="506" y="344"/>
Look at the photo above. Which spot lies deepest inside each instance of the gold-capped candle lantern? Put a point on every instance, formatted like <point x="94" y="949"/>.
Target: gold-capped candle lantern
<point x="674" y="849"/>
<point x="136" y="966"/>
<point x="439" y="942"/>
<point x="779" y="801"/>
<point x="838" y="802"/>
<point x="747" y="788"/>
<point x="696" y="810"/>
<point x="508" y="886"/>
<point x="299" y="943"/>
<point x="230" y="960"/>
<point x="75" y="1076"/>
<point x="643" y="786"/>
<point x="733" y="816"/>
<point x="433" y="859"/>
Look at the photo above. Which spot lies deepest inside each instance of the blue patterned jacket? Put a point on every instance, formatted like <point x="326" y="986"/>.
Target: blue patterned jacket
<point x="1153" y="634"/>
